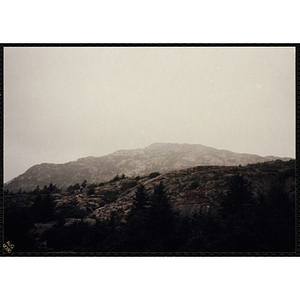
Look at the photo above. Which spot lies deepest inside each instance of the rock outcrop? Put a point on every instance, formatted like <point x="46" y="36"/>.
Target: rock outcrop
<point x="193" y="190"/>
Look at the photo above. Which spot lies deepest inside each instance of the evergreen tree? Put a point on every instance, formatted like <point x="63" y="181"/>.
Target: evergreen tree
<point x="141" y="199"/>
<point x="276" y="221"/>
<point x="84" y="184"/>
<point x="237" y="217"/>
<point x="135" y="230"/>
<point x="237" y="198"/>
<point x="98" y="236"/>
<point x="43" y="208"/>
<point x="162" y="221"/>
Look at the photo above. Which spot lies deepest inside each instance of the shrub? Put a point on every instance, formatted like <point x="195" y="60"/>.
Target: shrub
<point x="73" y="188"/>
<point x="76" y="213"/>
<point x="153" y="175"/>
<point x="111" y="196"/>
<point x="128" y="185"/>
<point x="194" y="185"/>
<point x="91" y="189"/>
<point x="116" y="178"/>
<point x="84" y="184"/>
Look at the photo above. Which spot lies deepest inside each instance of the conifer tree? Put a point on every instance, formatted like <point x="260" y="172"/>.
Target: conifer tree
<point x="237" y="216"/>
<point x="161" y="221"/>
<point x="135" y="232"/>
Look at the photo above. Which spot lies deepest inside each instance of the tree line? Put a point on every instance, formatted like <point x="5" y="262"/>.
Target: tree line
<point x="241" y="223"/>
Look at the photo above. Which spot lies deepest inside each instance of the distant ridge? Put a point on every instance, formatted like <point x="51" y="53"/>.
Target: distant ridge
<point x="158" y="157"/>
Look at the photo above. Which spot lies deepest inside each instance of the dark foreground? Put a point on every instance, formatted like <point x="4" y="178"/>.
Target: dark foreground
<point x="242" y="219"/>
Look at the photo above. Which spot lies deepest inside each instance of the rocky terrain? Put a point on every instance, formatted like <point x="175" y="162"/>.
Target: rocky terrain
<point x="190" y="190"/>
<point x="158" y="157"/>
<point x="193" y="190"/>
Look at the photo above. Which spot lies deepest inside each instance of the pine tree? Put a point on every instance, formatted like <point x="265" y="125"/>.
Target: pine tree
<point x="237" y="216"/>
<point x="237" y="198"/>
<point x="162" y="221"/>
<point x="135" y="231"/>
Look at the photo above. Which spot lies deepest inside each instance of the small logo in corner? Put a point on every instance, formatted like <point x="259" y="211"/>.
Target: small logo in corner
<point x="8" y="246"/>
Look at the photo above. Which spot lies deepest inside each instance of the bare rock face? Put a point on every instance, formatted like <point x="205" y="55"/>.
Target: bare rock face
<point x="159" y="157"/>
<point x="193" y="190"/>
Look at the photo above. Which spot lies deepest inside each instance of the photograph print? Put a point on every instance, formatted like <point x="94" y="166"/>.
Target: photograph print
<point x="149" y="150"/>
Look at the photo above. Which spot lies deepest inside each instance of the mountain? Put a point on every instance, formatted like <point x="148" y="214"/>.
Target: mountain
<point x="158" y="157"/>
<point x="216" y="208"/>
<point x="189" y="190"/>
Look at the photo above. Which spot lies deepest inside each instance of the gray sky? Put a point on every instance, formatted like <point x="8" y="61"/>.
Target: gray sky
<point x="61" y="104"/>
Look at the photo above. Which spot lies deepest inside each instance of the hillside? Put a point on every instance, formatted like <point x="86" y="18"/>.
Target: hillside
<point x="158" y="157"/>
<point x="201" y="194"/>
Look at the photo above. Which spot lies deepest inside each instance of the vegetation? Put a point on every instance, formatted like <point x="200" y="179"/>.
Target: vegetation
<point x="37" y="207"/>
<point x="91" y="189"/>
<point x="153" y="175"/>
<point x="194" y="184"/>
<point x="72" y="188"/>
<point x="242" y="221"/>
<point x="111" y="196"/>
<point x="128" y="185"/>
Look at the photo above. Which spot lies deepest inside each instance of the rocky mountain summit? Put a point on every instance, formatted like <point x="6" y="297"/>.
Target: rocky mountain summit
<point x="158" y="157"/>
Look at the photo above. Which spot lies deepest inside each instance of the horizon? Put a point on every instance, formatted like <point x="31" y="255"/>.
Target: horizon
<point x="66" y="162"/>
<point x="66" y="103"/>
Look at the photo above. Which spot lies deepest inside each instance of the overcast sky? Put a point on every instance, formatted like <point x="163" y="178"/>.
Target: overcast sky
<point x="61" y="104"/>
